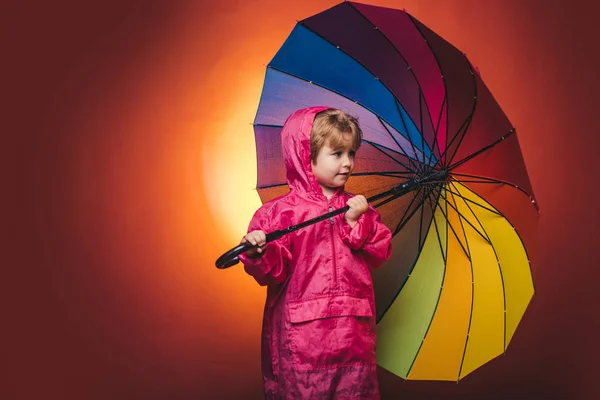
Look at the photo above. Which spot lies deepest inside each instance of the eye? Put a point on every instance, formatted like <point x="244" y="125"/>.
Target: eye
<point x="337" y="154"/>
<point x="352" y="153"/>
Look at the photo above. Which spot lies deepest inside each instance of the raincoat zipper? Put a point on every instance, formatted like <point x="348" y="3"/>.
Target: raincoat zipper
<point x="333" y="253"/>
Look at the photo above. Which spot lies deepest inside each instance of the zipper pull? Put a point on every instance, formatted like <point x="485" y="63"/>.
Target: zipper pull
<point x="331" y="218"/>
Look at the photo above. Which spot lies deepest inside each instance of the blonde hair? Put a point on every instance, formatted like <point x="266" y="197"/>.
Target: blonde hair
<point x="336" y="127"/>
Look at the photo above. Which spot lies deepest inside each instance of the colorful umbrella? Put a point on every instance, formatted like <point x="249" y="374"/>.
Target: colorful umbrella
<point x="459" y="280"/>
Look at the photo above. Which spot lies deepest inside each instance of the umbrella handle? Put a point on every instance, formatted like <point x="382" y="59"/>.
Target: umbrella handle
<point x="230" y="258"/>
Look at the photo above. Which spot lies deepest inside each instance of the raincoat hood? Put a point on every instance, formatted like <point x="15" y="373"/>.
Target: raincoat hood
<point x="295" y="142"/>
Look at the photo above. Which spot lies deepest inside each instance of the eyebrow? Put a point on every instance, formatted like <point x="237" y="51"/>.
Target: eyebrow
<point x="340" y="148"/>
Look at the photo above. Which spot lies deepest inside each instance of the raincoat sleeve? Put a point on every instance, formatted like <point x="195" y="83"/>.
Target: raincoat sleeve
<point x="271" y="267"/>
<point x="369" y="236"/>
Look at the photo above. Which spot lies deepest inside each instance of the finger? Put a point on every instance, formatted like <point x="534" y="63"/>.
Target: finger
<point x="252" y="240"/>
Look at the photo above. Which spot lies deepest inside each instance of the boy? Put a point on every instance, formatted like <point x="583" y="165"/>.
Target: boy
<point x="318" y="338"/>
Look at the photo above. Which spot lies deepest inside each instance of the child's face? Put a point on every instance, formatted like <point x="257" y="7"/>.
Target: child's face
<point x="333" y="166"/>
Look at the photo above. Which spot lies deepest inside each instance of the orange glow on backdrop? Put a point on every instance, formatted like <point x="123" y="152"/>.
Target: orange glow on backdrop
<point x="139" y="152"/>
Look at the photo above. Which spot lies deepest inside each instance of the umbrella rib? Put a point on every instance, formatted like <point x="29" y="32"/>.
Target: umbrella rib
<point x="391" y="198"/>
<point x="444" y="256"/>
<point x="503" y="216"/>
<point x="471" y="201"/>
<point x="384" y="173"/>
<point x="473" y="280"/>
<point x="455" y="206"/>
<point x="486" y="180"/>
<point x="452" y="228"/>
<point x="470" y="116"/>
<point x="420" y="248"/>
<point x="443" y="80"/>
<point x="404" y="221"/>
<point x="401" y="148"/>
<point x="392" y="136"/>
<point x="268" y="125"/>
<point x="462" y="129"/>
<point x="441" y="284"/>
<point x="421" y="96"/>
<point x="486" y="148"/>
<point x="421" y="238"/>
<point x="467" y="201"/>
<point x="463" y="217"/>
<point x="422" y="151"/>
<point x="271" y="186"/>
<point x="376" y="145"/>
<point x="379" y="147"/>
<point x="420" y="226"/>
<point x="445" y="86"/>
<point x="407" y="65"/>
<point x="381" y="188"/>
<point x="467" y="122"/>
<point x="499" y="268"/>
<point x="464" y="353"/>
<point x="435" y="135"/>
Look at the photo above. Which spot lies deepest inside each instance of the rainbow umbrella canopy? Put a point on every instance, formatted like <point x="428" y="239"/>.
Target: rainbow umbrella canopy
<point x="459" y="280"/>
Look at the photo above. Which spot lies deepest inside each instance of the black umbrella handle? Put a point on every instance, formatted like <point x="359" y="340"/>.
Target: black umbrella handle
<point x="230" y="258"/>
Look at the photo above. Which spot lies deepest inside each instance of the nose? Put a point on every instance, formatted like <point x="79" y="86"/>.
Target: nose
<point x="347" y="160"/>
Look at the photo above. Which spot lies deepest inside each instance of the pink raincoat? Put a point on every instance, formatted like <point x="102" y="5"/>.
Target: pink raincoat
<point x="318" y="339"/>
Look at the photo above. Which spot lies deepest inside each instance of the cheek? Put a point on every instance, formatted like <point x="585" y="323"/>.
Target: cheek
<point x="318" y="166"/>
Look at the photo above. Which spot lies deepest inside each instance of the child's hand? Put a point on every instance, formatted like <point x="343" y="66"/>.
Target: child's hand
<point x="256" y="238"/>
<point x="358" y="206"/>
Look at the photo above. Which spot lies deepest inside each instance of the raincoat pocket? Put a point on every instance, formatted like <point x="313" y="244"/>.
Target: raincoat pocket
<point x="329" y="332"/>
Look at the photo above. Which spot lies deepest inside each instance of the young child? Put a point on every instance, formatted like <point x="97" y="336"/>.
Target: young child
<point x="318" y="339"/>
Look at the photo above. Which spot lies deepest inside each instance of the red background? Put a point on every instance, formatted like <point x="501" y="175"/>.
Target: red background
<point x="121" y="117"/>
